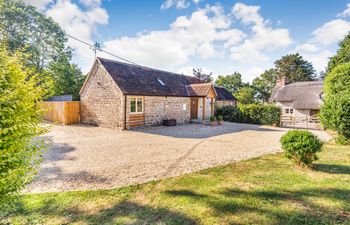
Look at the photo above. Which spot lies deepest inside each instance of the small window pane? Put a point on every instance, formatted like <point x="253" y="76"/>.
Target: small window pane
<point x="133" y="105"/>
<point x="291" y="111"/>
<point x="287" y="111"/>
<point x="139" y="104"/>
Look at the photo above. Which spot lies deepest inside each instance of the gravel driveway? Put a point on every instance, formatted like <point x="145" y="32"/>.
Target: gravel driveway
<point x="86" y="157"/>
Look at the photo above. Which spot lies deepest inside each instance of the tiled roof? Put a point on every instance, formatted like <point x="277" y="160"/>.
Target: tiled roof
<point x="139" y="80"/>
<point x="224" y="95"/>
<point x="198" y="89"/>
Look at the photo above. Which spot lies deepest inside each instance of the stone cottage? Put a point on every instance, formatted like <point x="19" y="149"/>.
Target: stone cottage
<point x="121" y="95"/>
<point x="299" y="98"/>
<point x="224" y="97"/>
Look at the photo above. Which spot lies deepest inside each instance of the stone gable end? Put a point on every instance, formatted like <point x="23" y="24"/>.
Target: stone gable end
<point x="102" y="102"/>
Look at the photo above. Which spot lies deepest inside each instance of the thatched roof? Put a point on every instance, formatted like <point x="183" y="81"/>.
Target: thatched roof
<point x="304" y="95"/>
<point x="224" y="95"/>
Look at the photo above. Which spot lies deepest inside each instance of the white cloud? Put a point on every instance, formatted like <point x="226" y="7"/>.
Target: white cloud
<point x="346" y="12"/>
<point x="178" y="4"/>
<point x="263" y="39"/>
<point x="186" y="37"/>
<point x="196" y="1"/>
<point x="80" y="23"/>
<point x="319" y="59"/>
<point x="307" y="47"/>
<point x="40" y="4"/>
<point x="188" y="70"/>
<point x="331" y="32"/>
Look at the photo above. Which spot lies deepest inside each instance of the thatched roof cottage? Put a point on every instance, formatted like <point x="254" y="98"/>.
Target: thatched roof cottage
<point x="299" y="98"/>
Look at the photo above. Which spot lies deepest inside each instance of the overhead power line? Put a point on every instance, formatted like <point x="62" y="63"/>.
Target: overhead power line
<point x="96" y="47"/>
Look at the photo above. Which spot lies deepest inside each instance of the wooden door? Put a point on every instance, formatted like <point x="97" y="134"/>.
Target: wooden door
<point x="194" y="108"/>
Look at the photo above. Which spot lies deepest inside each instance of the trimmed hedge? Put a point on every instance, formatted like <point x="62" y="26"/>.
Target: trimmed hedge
<point x="263" y="114"/>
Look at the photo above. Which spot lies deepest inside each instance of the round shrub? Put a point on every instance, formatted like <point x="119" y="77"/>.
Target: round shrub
<point x="220" y="118"/>
<point x="212" y="118"/>
<point x="301" y="146"/>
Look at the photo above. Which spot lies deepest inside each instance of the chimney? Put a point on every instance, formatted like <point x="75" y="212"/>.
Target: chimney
<point x="282" y="81"/>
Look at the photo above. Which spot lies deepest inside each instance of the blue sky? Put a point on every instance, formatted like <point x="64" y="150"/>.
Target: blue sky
<point x="219" y="36"/>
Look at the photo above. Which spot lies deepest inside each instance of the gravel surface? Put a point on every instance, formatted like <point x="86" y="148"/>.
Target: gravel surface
<point x="85" y="157"/>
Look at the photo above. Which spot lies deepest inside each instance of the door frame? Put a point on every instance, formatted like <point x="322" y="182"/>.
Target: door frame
<point x="194" y="109"/>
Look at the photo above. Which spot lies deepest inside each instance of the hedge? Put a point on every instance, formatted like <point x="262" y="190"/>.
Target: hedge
<point x="263" y="114"/>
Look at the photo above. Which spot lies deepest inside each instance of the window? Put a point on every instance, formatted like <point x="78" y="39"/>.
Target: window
<point x="136" y="105"/>
<point x="161" y="82"/>
<point x="289" y="111"/>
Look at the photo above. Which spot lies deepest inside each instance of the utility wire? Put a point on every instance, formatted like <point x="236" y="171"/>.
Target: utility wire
<point x="96" y="47"/>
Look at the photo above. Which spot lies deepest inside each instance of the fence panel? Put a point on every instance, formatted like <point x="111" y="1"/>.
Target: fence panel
<point x="61" y="112"/>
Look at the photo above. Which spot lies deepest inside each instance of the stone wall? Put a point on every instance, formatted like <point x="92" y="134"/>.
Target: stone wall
<point x="102" y="102"/>
<point x="225" y="103"/>
<point x="158" y="108"/>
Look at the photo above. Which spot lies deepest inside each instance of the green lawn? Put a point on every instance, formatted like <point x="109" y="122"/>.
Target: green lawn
<point x="264" y="190"/>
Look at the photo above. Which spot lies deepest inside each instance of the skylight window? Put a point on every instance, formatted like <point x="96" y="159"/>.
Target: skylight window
<point x="160" y="82"/>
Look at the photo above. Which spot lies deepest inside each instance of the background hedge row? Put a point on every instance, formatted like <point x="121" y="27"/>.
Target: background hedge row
<point x="263" y="114"/>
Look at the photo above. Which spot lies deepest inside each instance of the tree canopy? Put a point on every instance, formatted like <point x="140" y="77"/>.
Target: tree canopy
<point x="264" y="84"/>
<point x="342" y="55"/>
<point x="245" y="95"/>
<point x="203" y="77"/>
<point x="295" y="68"/>
<point x="231" y="82"/>
<point x="25" y="29"/>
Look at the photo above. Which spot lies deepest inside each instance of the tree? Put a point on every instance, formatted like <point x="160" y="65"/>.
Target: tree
<point x="67" y="77"/>
<point x="26" y="29"/>
<point x="295" y="68"/>
<point x="204" y="78"/>
<point x="335" y="112"/>
<point x="245" y="95"/>
<point x="20" y="150"/>
<point x="342" y="56"/>
<point x="230" y="82"/>
<point x="264" y="84"/>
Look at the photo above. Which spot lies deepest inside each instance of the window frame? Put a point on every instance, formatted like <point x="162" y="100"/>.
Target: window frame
<point x="289" y="111"/>
<point x="136" y="104"/>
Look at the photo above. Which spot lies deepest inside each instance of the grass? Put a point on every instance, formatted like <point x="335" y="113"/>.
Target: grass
<point x="264" y="190"/>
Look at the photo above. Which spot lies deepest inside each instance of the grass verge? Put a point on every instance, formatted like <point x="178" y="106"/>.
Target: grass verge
<point x="264" y="190"/>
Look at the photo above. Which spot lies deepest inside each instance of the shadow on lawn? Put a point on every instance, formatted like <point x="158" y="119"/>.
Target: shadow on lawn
<point x="124" y="212"/>
<point x="333" y="169"/>
<point x="236" y="201"/>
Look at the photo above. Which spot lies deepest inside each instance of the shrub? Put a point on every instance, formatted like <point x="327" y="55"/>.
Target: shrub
<point x="335" y="112"/>
<point x="301" y="146"/>
<point x="19" y="125"/>
<point x="212" y="118"/>
<point x="264" y="114"/>
<point x="220" y="118"/>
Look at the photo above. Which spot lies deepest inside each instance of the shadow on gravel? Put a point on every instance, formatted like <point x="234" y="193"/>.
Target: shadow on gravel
<point x="198" y="131"/>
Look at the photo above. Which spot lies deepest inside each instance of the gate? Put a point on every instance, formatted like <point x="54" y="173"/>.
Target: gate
<point x="301" y="122"/>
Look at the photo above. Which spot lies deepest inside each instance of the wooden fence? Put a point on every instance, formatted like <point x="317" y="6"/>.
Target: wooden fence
<point x="305" y="122"/>
<point x="61" y="112"/>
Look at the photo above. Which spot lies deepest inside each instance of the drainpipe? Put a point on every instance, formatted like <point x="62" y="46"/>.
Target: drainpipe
<point x="125" y="103"/>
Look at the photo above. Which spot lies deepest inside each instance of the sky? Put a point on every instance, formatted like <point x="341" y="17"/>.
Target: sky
<point x="221" y="36"/>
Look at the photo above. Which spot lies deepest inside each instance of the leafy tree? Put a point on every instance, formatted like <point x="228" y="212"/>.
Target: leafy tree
<point x="295" y="68"/>
<point x="335" y="112"/>
<point x="67" y="77"/>
<point x="26" y="29"/>
<point x="264" y="84"/>
<point x="230" y="82"/>
<point x="342" y="56"/>
<point x="205" y="78"/>
<point x="20" y="150"/>
<point x="245" y="95"/>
